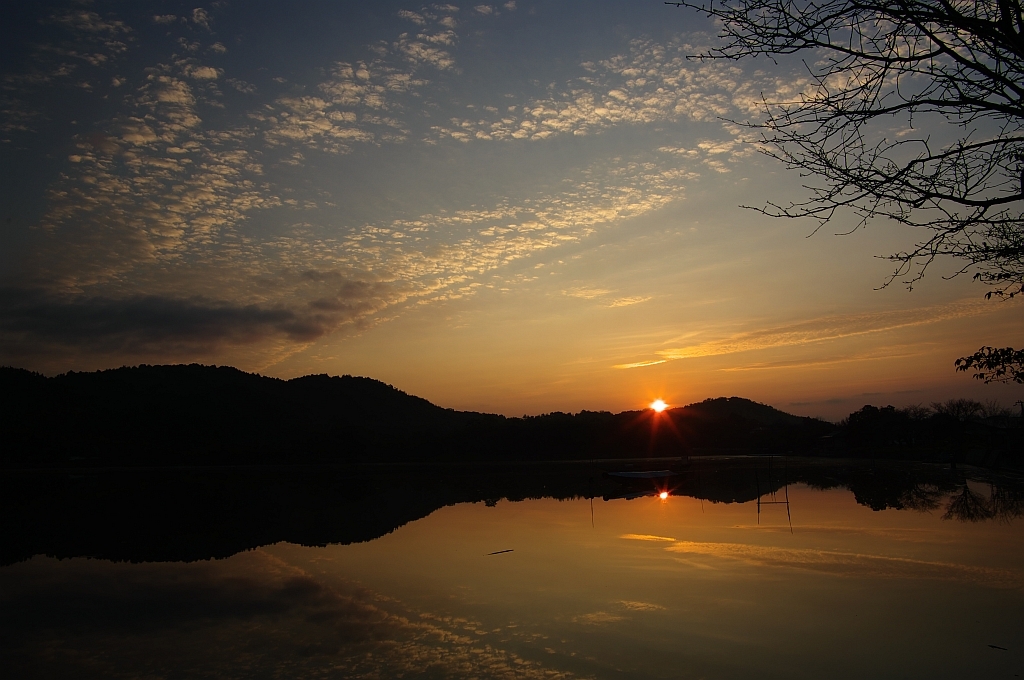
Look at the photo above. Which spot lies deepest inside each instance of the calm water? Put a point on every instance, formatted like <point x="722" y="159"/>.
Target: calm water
<point x="641" y="588"/>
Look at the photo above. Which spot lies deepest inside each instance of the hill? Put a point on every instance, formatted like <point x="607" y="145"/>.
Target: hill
<point x="216" y="415"/>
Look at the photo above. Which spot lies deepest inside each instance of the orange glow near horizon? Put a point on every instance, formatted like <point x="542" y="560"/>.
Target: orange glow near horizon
<point x="659" y="405"/>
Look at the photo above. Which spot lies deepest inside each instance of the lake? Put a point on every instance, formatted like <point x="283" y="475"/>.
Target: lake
<point x="804" y="570"/>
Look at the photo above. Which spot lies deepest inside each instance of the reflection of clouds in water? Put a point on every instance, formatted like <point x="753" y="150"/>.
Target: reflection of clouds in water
<point x="850" y="564"/>
<point x="597" y="618"/>
<point x="249" y="614"/>
<point x="641" y="606"/>
<point x="646" y="537"/>
<point x="904" y="534"/>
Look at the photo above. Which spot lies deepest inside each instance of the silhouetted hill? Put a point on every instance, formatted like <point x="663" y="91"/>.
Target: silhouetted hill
<point x="215" y="415"/>
<point x="737" y="408"/>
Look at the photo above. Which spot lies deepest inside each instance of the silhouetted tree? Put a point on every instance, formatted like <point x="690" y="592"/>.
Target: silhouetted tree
<point x="955" y="66"/>
<point x="878" y="426"/>
<point x="961" y="410"/>
<point x="993" y="364"/>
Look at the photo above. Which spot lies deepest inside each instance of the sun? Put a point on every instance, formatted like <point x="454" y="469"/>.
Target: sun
<point x="659" y="405"/>
<point x="663" y="495"/>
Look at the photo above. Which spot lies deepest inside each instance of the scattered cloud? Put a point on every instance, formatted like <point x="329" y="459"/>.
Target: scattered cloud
<point x="850" y="564"/>
<point x="822" y="329"/>
<point x="358" y="102"/>
<point x="597" y="618"/>
<point x="201" y="17"/>
<point x="641" y="606"/>
<point x="154" y="187"/>
<point x="628" y="301"/>
<point x="253" y="611"/>
<point x="586" y="293"/>
<point x="653" y="82"/>
<point x="640" y="364"/>
<point x="86" y="21"/>
<point x="828" y="328"/>
<point x="646" y="537"/>
<point x="880" y="353"/>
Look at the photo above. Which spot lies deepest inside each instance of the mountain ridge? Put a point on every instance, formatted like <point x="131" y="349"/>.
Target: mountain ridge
<point x="200" y="415"/>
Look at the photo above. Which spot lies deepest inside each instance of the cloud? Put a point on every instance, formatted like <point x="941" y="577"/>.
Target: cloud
<point x="597" y="618"/>
<point x="150" y="186"/>
<point x="218" y="618"/>
<point x="79" y="57"/>
<point x="653" y="82"/>
<point x="627" y="301"/>
<point x="647" y="537"/>
<point x="157" y="205"/>
<point x="357" y="102"/>
<point x="890" y="352"/>
<point x="641" y="606"/>
<point x="201" y="17"/>
<point x="586" y="293"/>
<point x="32" y="321"/>
<point x="850" y="564"/>
<point x="242" y="86"/>
<point x="413" y="17"/>
<point x="822" y="329"/>
<point x="90" y="22"/>
<point x="640" y="364"/>
<point x="422" y="49"/>
<point x="203" y="72"/>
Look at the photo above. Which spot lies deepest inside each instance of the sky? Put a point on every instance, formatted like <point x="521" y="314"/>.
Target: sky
<point x="515" y="207"/>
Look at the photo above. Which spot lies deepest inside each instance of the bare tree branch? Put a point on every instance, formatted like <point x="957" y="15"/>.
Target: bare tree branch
<point x="958" y="64"/>
<point x="875" y="64"/>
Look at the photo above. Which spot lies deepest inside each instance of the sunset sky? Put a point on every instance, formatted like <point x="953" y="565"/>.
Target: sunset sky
<point x="515" y="207"/>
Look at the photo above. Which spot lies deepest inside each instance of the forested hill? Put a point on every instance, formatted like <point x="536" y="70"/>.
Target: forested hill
<point x="216" y="415"/>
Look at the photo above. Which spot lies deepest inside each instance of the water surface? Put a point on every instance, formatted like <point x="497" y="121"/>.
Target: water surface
<point x="544" y="588"/>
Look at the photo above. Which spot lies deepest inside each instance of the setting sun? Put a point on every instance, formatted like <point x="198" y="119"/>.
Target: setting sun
<point x="659" y="405"/>
<point x="663" y="495"/>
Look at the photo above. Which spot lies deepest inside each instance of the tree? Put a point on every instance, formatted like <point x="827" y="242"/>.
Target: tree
<point x="951" y="73"/>
<point x="993" y="364"/>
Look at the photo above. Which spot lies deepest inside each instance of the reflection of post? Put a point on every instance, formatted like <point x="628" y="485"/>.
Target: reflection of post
<point x="757" y="485"/>
<point x="771" y="490"/>
<point x="699" y="495"/>
<point x="785" y="478"/>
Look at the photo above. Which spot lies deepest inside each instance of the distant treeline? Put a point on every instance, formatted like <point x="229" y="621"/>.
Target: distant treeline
<point x="207" y="415"/>
<point x="957" y="429"/>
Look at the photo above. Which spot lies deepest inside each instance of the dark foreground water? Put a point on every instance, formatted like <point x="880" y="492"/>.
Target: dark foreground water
<point x="931" y="586"/>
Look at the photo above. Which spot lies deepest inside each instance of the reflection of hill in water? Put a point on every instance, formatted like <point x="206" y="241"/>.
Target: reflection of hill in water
<point x="201" y="514"/>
